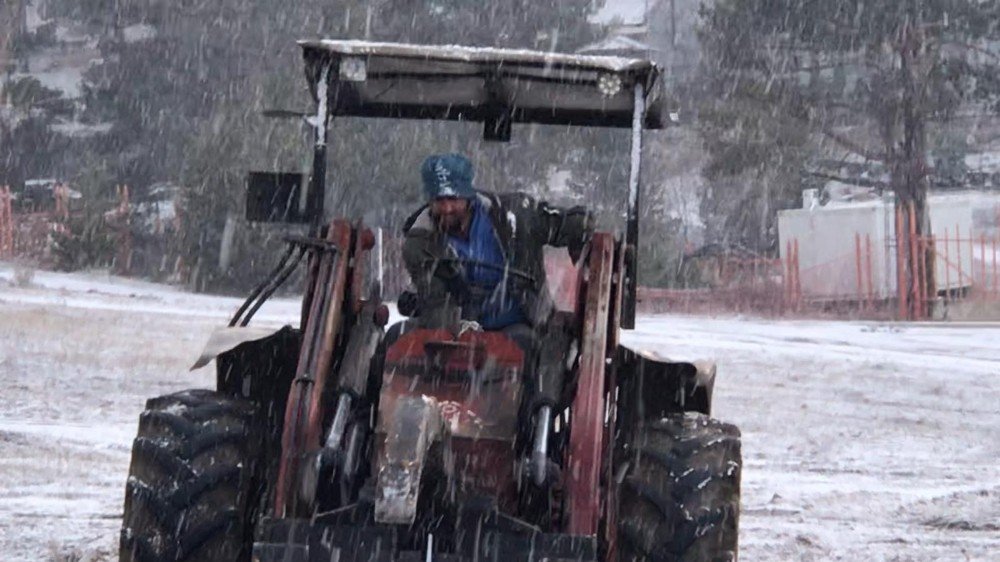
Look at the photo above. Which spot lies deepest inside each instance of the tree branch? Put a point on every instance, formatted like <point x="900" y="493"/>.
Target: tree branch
<point x="861" y="182"/>
<point x="971" y="47"/>
<point x="853" y="146"/>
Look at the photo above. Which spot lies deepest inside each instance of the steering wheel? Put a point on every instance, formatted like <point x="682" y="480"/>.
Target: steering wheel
<point x="503" y="269"/>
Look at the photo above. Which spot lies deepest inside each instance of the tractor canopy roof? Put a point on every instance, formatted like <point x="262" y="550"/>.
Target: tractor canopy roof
<point x="368" y="79"/>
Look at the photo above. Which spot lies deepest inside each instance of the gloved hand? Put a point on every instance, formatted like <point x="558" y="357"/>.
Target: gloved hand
<point x="581" y="221"/>
<point x="576" y="250"/>
<point x="443" y="266"/>
<point x="408" y="304"/>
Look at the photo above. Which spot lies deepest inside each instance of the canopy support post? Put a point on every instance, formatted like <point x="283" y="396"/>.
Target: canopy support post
<point x="632" y="226"/>
<point x="317" y="182"/>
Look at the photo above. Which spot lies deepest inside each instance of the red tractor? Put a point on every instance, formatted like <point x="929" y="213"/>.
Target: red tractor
<point x="342" y="441"/>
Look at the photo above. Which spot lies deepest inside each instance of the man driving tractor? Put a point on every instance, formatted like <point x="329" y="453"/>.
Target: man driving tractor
<point x="483" y="252"/>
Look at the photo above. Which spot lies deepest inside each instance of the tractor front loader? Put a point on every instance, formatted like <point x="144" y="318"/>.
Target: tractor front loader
<point x="341" y="440"/>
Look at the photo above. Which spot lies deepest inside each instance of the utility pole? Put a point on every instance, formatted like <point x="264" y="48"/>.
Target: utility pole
<point x="673" y="23"/>
<point x="12" y="19"/>
<point x="116" y="20"/>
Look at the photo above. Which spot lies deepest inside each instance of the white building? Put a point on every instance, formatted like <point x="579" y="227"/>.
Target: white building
<point x="847" y="250"/>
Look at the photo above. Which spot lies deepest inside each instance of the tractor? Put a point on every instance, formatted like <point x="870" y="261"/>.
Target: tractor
<point x="346" y="440"/>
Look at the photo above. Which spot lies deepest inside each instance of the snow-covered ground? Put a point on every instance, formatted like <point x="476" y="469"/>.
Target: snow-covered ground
<point x="861" y="441"/>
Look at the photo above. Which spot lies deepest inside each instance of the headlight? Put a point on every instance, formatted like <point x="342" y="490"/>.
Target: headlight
<point x="609" y="84"/>
<point x="353" y="69"/>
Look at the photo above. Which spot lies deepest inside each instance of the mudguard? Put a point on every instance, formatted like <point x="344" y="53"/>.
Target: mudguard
<point x="653" y="386"/>
<point x="226" y="339"/>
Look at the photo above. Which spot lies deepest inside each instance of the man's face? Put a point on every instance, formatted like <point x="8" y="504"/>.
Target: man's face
<point x="450" y="213"/>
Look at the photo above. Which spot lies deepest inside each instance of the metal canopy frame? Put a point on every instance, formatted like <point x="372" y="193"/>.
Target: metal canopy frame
<point x="394" y="80"/>
<point x="497" y="87"/>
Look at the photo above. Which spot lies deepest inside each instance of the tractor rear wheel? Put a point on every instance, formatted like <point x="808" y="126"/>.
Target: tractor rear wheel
<point x="680" y="499"/>
<point x="193" y="488"/>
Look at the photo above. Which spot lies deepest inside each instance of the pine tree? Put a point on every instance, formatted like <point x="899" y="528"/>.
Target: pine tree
<point x="886" y="68"/>
<point x="187" y="102"/>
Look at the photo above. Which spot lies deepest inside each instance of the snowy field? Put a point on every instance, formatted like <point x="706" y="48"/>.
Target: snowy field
<point x="861" y="441"/>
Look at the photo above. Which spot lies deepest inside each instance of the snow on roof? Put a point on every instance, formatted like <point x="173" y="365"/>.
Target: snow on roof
<point x="987" y="162"/>
<point x="477" y="54"/>
<point x="40" y="182"/>
<point x="616" y="43"/>
<point x="628" y="12"/>
<point x="475" y="84"/>
<point x="76" y="129"/>
<point x="138" y="32"/>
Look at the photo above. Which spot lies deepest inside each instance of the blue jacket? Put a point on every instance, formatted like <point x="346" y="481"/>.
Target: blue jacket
<point x="522" y="225"/>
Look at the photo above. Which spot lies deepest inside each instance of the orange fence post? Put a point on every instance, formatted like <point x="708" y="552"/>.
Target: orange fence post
<point x="900" y="266"/>
<point x="947" y="266"/>
<point x="126" y="208"/>
<point x="972" y="262"/>
<point x="868" y="262"/>
<point x="124" y="257"/>
<point x="9" y="220"/>
<point x="6" y="224"/>
<point x="788" y="273"/>
<point x="930" y="261"/>
<point x="958" y="258"/>
<point x="914" y="264"/>
<point x="996" y="292"/>
<point x="857" y="268"/>
<point x="798" y="280"/>
<point x="61" y="193"/>
<point x="925" y="296"/>
<point x="982" y="258"/>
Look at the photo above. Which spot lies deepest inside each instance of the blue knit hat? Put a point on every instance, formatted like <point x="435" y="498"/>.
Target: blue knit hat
<point x="448" y="175"/>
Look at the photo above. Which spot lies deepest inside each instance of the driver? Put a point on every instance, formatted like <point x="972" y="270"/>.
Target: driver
<point x="483" y="252"/>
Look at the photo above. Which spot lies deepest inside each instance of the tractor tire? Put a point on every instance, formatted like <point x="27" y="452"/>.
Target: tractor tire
<point x="680" y="499"/>
<point x="193" y="487"/>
